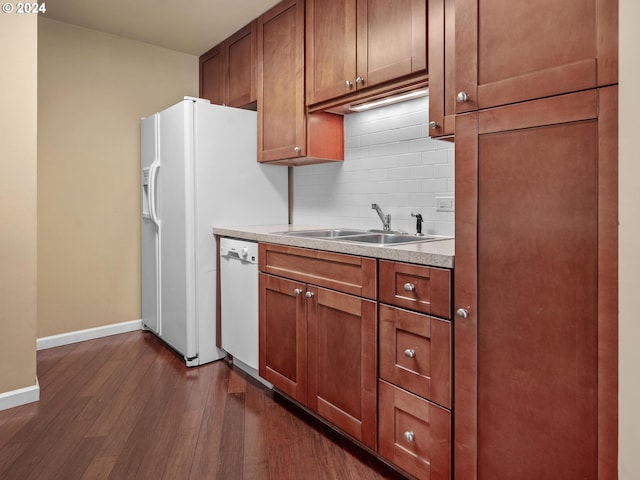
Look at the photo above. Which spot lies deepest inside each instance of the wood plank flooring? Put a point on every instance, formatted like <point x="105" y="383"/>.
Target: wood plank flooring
<point x="125" y="407"/>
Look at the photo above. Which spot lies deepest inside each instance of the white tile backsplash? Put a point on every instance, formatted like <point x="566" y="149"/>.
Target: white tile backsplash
<point x="389" y="160"/>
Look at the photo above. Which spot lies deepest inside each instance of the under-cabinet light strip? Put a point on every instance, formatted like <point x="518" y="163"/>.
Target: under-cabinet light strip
<point x="390" y="100"/>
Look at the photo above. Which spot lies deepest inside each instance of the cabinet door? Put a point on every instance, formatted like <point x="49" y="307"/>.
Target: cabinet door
<point x="509" y="51"/>
<point x="392" y="40"/>
<point x="283" y="332"/>
<point x="241" y="59"/>
<point x="281" y="120"/>
<point x="342" y="362"/>
<point x="212" y="75"/>
<point x="536" y="222"/>
<point x="330" y="49"/>
<point x="442" y="107"/>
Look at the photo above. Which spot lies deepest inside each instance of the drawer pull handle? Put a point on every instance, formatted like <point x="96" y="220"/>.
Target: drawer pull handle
<point x="410" y="353"/>
<point x="297" y="291"/>
<point x="409" y="287"/>
<point x="309" y="294"/>
<point x="409" y="436"/>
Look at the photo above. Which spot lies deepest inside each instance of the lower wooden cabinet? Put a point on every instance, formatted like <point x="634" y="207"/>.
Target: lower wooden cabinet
<point x="317" y="345"/>
<point x="414" y="433"/>
<point x="379" y="373"/>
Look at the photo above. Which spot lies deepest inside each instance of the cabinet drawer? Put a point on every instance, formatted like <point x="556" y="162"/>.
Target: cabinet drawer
<point x="344" y="273"/>
<point x="415" y="353"/>
<point x="414" y="433"/>
<point x="416" y="287"/>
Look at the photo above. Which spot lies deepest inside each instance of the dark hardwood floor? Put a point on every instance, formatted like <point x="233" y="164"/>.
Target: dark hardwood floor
<point x="125" y="407"/>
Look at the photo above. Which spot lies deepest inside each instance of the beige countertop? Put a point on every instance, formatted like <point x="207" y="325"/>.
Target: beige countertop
<point x="439" y="253"/>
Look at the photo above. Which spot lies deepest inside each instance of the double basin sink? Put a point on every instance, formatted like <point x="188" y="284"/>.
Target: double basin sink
<point x="363" y="236"/>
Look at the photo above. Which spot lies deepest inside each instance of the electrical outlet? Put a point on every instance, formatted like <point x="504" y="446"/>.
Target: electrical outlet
<point x="445" y="204"/>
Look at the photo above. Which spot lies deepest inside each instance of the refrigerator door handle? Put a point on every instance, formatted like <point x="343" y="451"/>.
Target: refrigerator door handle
<point x="152" y="192"/>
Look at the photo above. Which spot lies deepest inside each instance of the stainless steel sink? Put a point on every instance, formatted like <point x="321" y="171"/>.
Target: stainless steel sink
<point x="361" y="236"/>
<point x="389" y="238"/>
<point x="325" y="233"/>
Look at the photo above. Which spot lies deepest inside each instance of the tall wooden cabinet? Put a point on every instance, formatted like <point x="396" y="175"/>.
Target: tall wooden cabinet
<point x="536" y="220"/>
<point x="535" y="332"/>
<point x="356" y="44"/>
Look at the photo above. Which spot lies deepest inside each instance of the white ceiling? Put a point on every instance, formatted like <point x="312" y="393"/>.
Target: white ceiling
<point x="191" y="26"/>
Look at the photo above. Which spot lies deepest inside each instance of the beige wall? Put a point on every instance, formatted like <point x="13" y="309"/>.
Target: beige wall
<point x="629" y="320"/>
<point x="18" y="157"/>
<point x="93" y="88"/>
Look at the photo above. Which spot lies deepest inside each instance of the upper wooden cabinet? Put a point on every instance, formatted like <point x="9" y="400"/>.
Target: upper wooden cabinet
<point x="442" y="102"/>
<point x="286" y="133"/>
<point x="507" y="51"/>
<point x="356" y="44"/>
<point x="212" y="78"/>
<point x="228" y="70"/>
<point x="240" y="62"/>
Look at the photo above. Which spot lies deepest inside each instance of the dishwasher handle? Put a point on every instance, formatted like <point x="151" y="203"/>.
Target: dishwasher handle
<point x="238" y="253"/>
<point x="233" y="255"/>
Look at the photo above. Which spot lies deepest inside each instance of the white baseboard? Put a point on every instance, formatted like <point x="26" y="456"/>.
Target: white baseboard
<point x="21" y="396"/>
<point x="88" y="334"/>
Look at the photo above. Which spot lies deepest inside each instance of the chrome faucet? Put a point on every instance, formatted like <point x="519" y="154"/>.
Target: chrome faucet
<point x="386" y="219"/>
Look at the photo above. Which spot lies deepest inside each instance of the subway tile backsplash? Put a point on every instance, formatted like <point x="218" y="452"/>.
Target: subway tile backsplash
<point x="389" y="160"/>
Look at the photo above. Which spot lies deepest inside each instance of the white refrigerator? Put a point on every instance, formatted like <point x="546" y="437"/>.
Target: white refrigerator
<point x="199" y="170"/>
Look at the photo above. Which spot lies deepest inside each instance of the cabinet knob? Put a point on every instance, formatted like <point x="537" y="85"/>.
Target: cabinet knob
<point x="348" y="84"/>
<point x="297" y="150"/>
<point x="462" y="97"/>
<point x="462" y="313"/>
<point x="297" y="291"/>
<point x="309" y="294"/>
<point x="410" y="353"/>
<point x="409" y="287"/>
<point x="409" y="436"/>
<point x="433" y="124"/>
<point x="359" y="80"/>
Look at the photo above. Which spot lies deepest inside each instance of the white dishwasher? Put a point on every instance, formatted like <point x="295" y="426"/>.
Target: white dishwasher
<point x="239" y="301"/>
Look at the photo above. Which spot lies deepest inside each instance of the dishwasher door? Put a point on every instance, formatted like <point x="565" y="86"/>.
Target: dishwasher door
<point x="239" y="299"/>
